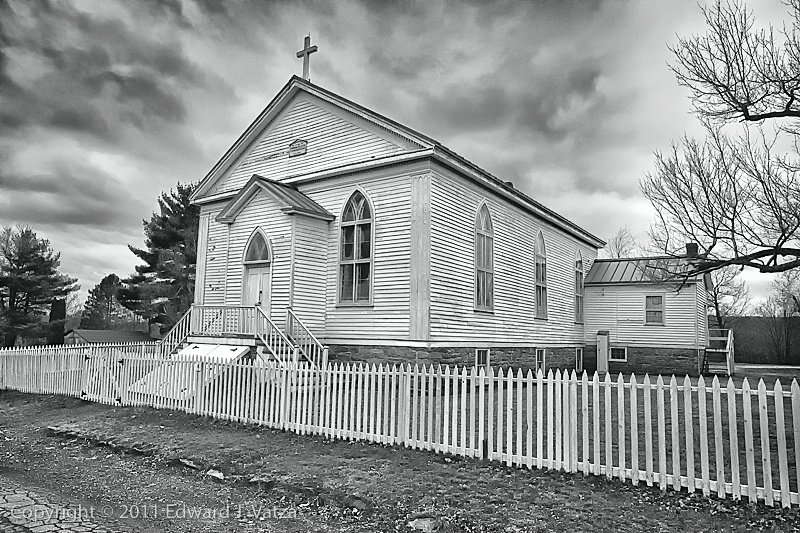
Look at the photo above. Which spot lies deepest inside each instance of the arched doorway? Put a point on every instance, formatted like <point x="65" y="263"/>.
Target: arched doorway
<point x="257" y="271"/>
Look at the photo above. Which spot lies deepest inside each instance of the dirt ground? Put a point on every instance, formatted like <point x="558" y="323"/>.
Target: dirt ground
<point x="131" y="458"/>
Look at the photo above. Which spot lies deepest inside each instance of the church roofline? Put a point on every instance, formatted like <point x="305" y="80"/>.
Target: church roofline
<point x="269" y="113"/>
<point x="429" y="148"/>
<point x="465" y="168"/>
<point x="445" y="155"/>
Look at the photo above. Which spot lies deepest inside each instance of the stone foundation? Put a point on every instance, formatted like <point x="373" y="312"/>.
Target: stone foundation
<point x="641" y="361"/>
<point x="514" y="357"/>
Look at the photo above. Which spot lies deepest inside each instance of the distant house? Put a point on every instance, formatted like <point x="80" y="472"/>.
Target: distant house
<point x="654" y="318"/>
<point x="104" y="336"/>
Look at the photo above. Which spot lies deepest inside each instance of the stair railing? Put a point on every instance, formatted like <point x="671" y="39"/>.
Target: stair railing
<point x="730" y="358"/>
<point x="313" y="350"/>
<point x="177" y="335"/>
<point x="209" y="319"/>
<point x="720" y="341"/>
<point x="279" y="346"/>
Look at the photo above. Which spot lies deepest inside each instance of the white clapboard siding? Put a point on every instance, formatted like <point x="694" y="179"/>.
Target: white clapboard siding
<point x="619" y="309"/>
<point x="310" y="263"/>
<point x="215" y="261"/>
<point x="388" y="317"/>
<point x="454" y="205"/>
<point x="335" y="138"/>
<point x="202" y="244"/>
<point x="262" y="212"/>
<point x="592" y="426"/>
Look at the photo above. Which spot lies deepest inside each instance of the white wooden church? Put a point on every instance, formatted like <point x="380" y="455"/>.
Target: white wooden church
<point x="332" y="231"/>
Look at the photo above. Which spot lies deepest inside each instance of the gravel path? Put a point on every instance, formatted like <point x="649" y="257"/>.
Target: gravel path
<point x="23" y="510"/>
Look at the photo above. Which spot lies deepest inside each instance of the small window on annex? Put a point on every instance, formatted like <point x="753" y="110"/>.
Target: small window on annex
<point x="484" y="260"/>
<point x="654" y="309"/>
<point x="257" y="250"/>
<point x="355" y="253"/>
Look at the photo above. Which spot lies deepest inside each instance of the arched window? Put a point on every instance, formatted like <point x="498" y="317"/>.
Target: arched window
<point x="541" y="278"/>
<point x="257" y="250"/>
<point x="355" y="252"/>
<point x="579" y="289"/>
<point x="484" y="260"/>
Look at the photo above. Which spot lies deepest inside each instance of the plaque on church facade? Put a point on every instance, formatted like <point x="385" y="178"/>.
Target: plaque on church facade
<point x="298" y="147"/>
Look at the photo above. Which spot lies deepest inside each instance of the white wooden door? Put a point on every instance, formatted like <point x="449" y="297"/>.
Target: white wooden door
<point x="255" y="289"/>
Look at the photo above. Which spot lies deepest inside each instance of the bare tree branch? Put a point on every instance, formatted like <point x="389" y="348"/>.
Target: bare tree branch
<point x="729" y="295"/>
<point x="734" y="197"/>
<point x="735" y="72"/>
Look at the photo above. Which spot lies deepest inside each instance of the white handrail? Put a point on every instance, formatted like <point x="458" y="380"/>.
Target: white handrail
<point x="729" y="356"/>
<point x="309" y="345"/>
<point x="179" y="332"/>
<point x="273" y="338"/>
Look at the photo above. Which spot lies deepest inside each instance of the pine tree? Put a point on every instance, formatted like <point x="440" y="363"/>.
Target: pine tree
<point x="29" y="282"/>
<point x="101" y="306"/>
<point x="162" y="289"/>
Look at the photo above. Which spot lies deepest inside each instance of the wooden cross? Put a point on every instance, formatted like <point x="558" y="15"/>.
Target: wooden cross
<point x="304" y="53"/>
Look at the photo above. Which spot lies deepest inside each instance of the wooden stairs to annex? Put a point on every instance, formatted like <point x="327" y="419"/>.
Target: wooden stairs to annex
<point x="718" y="357"/>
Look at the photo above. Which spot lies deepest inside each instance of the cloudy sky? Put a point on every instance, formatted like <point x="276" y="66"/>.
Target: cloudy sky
<point x="104" y="104"/>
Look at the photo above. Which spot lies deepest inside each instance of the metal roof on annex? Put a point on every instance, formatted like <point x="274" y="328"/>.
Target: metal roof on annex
<point x="639" y="270"/>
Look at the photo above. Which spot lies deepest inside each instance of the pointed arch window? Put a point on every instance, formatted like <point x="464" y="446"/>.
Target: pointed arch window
<point x="355" y="251"/>
<point x="579" y="289"/>
<point x="541" y="278"/>
<point x="257" y="250"/>
<point x="484" y="260"/>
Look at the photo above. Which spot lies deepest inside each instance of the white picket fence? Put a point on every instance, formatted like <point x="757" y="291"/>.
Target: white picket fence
<point x="680" y="434"/>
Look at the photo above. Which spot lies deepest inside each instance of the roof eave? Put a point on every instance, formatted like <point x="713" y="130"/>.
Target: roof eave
<point x="691" y="281"/>
<point x="361" y="166"/>
<point x="305" y="212"/>
<point x="456" y="162"/>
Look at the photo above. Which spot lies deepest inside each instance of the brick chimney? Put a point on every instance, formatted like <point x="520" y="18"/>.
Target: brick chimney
<point x="691" y="249"/>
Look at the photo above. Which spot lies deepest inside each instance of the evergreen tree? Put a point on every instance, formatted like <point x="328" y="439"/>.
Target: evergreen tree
<point x="29" y="282"/>
<point x="102" y="306"/>
<point x="162" y="289"/>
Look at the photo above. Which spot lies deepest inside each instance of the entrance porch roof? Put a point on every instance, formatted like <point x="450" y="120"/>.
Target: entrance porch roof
<point x="287" y="196"/>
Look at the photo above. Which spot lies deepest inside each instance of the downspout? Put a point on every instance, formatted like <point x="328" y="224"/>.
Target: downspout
<point x="227" y="266"/>
<point x="292" y="260"/>
<point x="697" y="329"/>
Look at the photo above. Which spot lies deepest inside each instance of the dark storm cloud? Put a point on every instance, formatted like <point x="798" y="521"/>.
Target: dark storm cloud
<point x="145" y="90"/>
<point x="474" y="107"/>
<point x="71" y="195"/>
<point x="101" y="73"/>
<point x="174" y="9"/>
<point x="85" y="120"/>
<point x="400" y="64"/>
<point x="490" y="103"/>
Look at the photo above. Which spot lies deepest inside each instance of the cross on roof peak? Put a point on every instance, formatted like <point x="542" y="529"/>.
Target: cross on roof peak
<point x="305" y="53"/>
